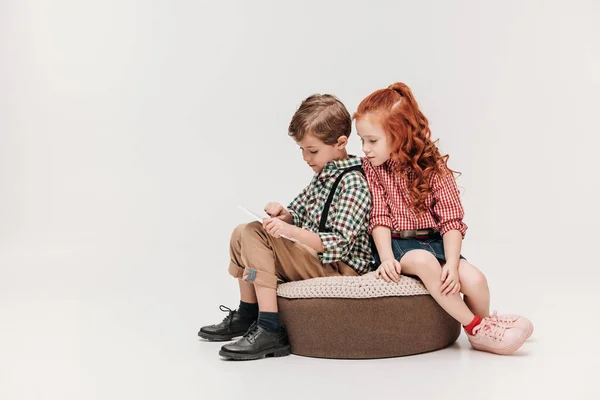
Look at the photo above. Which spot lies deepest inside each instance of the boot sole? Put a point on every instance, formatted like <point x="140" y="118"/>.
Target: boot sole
<point x="276" y="352"/>
<point x="211" y="337"/>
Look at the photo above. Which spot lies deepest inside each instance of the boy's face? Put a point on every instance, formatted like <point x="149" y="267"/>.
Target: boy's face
<point x="317" y="154"/>
<point x="374" y="140"/>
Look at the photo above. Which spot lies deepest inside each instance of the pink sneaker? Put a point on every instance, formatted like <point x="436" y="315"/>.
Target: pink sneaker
<point x="515" y="321"/>
<point x="495" y="337"/>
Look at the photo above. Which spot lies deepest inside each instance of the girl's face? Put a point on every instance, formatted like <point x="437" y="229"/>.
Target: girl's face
<point x="374" y="140"/>
<point x="316" y="153"/>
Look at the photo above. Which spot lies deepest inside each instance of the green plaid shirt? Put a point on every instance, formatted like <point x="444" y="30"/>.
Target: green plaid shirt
<point x="346" y="238"/>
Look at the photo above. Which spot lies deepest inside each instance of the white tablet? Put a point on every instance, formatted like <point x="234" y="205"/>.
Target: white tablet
<point x="259" y="218"/>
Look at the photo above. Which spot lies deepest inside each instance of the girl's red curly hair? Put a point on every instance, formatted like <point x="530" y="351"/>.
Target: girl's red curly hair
<point x="407" y="129"/>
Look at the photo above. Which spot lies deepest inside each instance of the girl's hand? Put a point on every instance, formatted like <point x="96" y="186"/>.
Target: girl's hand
<point x="277" y="227"/>
<point x="276" y="210"/>
<point x="450" y="281"/>
<point x="389" y="270"/>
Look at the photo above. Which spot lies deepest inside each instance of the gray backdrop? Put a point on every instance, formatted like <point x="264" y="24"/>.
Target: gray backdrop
<point x="131" y="130"/>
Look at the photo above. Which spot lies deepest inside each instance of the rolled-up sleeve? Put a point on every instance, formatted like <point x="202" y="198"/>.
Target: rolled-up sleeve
<point x="380" y="213"/>
<point x="350" y="217"/>
<point x="297" y="209"/>
<point x="447" y="207"/>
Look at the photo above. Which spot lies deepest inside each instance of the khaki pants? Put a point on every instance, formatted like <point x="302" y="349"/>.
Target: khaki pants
<point x="260" y="258"/>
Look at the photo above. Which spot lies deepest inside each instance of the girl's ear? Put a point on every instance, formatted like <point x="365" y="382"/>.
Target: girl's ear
<point x="342" y="142"/>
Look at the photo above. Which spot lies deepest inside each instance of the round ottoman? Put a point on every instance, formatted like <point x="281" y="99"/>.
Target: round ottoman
<point x="363" y="317"/>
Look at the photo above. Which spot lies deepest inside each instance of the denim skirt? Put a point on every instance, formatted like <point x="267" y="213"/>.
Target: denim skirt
<point x="402" y="246"/>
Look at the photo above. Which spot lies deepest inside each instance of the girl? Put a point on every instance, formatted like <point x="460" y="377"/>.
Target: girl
<point x="417" y="218"/>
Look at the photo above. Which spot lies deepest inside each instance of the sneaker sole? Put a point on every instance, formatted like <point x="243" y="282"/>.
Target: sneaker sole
<point x="211" y="337"/>
<point x="502" y="352"/>
<point x="276" y="352"/>
<point x="529" y="332"/>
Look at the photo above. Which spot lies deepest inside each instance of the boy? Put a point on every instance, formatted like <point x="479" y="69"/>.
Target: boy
<point x="331" y="234"/>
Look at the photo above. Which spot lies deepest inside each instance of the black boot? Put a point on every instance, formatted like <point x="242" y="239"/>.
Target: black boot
<point x="257" y="343"/>
<point x="233" y="325"/>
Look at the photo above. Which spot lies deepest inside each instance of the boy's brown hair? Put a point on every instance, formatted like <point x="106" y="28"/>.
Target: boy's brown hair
<point x="322" y="115"/>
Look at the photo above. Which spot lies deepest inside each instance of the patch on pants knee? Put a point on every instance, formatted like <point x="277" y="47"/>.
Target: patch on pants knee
<point x="251" y="277"/>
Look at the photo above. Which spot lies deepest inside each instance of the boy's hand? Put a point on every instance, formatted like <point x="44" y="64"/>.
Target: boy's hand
<point x="276" y="210"/>
<point x="389" y="270"/>
<point x="450" y="280"/>
<point x="277" y="227"/>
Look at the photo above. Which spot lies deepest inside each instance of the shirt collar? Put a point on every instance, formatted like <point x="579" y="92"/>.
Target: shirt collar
<point x="333" y="167"/>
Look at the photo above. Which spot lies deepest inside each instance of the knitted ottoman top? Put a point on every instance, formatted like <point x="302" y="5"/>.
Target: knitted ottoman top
<point x="353" y="287"/>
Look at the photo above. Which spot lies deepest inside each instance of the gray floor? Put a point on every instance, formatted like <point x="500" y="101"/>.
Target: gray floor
<point x="121" y="324"/>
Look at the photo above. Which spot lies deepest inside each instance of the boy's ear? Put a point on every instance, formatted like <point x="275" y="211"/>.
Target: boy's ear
<point x="342" y="142"/>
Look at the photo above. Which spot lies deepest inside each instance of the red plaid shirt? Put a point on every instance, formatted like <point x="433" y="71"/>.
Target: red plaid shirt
<point x="391" y="202"/>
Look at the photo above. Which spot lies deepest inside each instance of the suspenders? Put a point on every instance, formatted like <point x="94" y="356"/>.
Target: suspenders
<point x="323" y="221"/>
